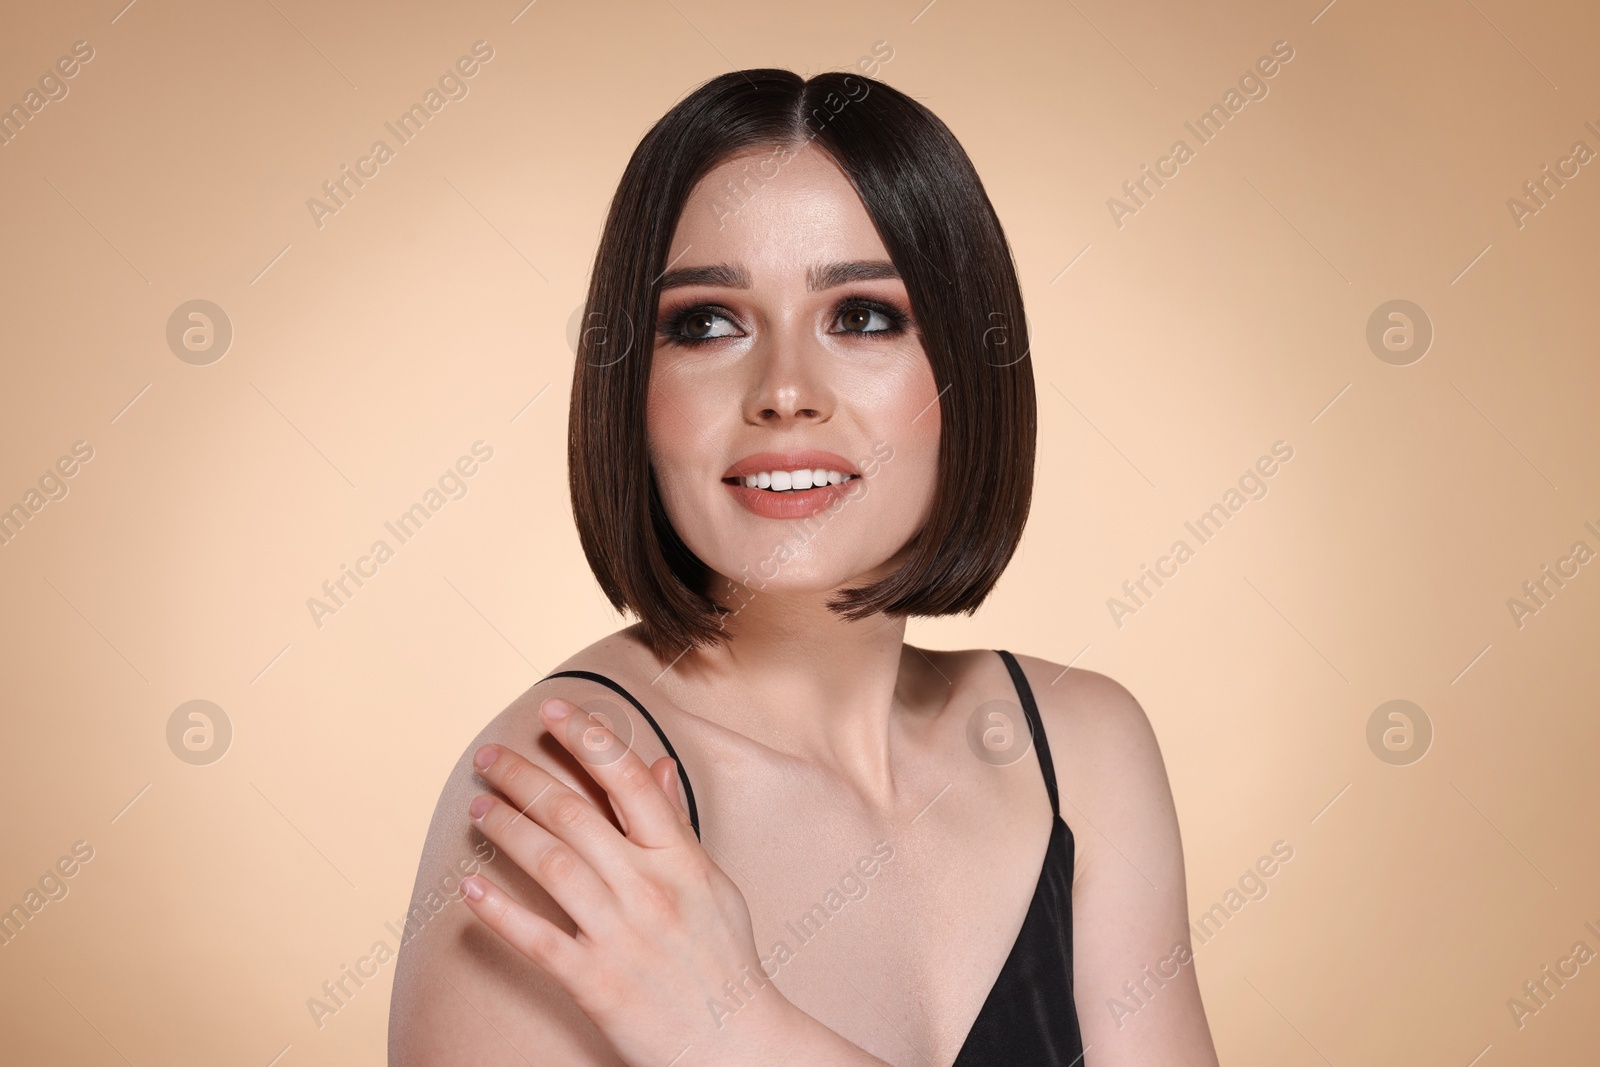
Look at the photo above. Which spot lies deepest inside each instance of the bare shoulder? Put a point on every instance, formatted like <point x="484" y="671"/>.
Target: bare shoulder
<point x="1110" y="773"/>
<point x="1102" y="746"/>
<point x="1099" y="733"/>
<point x="1130" y="895"/>
<point x="461" y="993"/>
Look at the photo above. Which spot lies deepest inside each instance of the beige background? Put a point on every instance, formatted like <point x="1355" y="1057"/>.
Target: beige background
<point x="368" y="354"/>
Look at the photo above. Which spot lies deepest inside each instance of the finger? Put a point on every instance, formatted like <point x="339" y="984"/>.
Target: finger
<point x="536" y="937"/>
<point x="569" y="879"/>
<point x="665" y="772"/>
<point x="652" y="820"/>
<point x="540" y="796"/>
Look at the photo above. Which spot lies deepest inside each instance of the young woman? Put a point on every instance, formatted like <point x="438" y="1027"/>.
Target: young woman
<point x="757" y="827"/>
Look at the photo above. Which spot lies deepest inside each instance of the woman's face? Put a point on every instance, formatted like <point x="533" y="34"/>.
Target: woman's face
<point x="784" y="346"/>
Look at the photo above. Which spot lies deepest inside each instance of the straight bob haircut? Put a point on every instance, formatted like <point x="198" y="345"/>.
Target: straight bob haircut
<point x="942" y="234"/>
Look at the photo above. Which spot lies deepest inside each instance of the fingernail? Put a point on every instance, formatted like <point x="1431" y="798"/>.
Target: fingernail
<point x="472" y="888"/>
<point x="556" y="709"/>
<point x="480" y="806"/>
<point x="485" y="757"/>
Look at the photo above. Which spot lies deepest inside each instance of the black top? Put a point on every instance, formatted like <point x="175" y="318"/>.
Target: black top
<point x="1029" y="1018"/>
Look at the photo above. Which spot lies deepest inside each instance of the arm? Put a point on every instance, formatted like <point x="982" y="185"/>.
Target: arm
<point x="661" y="923"/>
<point x="1137" y="996"/>
<point x="462" y="995"/>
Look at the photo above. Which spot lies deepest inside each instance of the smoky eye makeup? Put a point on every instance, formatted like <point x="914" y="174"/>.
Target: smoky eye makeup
<point x="673" y="325"/>
<point x="679" y="325"/>
<point x="897" y="320"/>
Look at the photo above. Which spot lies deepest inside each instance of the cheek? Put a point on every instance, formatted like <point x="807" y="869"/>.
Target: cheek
<point x="911" y="428"/>
<point x="924" y="446"/>
<point x="671" y="436"/>
<point x="681" y="428"/>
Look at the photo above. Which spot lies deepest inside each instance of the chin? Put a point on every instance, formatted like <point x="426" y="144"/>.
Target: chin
<point x="793" y="578"/>
<point x="778" y="571"/>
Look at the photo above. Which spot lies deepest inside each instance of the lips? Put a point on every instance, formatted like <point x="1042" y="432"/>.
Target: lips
<point x="788" y="503"/>
<point x="809" y="459"/>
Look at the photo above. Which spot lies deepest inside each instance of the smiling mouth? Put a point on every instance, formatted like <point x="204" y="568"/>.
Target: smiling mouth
<point x="792" y="481"/>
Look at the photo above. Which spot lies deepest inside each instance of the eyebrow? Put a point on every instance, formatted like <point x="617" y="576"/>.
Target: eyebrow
<point x="825" y="276"/>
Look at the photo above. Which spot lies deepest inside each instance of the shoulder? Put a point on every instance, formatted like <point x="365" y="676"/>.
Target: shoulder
<point x="1129" y="892"/>
<point x="1100" y="738"/>
<point x="1081" y="709"/>
<point x="519" y="726"/>
<point x="1091" y="706"/>
<point x="1104" y="749"/>
<point x="452" y="972"/>
<point x="622" y="658"/>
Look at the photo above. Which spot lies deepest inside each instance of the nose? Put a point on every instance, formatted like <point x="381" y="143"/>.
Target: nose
<point x="789" y="382"/>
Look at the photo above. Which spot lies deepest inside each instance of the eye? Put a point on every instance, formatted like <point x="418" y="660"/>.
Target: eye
<point x="703" y="324"/>
<point x="869" y="316"/>
<point x="694" y="325"/>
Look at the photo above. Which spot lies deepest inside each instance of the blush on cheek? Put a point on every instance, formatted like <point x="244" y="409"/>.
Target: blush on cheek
<point x="677" y="422"/>
<point x="917" y="453"/>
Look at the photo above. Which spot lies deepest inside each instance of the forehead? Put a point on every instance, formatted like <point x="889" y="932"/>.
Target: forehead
<point x="775" y="218"/>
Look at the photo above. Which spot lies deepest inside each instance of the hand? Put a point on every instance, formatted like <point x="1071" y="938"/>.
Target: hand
<point x="661" y="928"/>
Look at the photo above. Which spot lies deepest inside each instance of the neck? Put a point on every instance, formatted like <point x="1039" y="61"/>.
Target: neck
<point x="796" y="677"/>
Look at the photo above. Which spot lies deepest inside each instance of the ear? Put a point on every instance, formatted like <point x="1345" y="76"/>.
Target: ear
<point x="665" y="773"/>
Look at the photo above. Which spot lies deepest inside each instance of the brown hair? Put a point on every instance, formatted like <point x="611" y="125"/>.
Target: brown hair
<point x="943" y="236"/>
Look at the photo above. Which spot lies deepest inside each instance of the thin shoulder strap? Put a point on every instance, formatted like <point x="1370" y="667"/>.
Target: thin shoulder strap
<point x="1035" y="726"/>
<point x="683" y="775"/>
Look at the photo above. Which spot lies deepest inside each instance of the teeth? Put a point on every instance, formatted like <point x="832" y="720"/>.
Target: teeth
<point x="796" y="480"/>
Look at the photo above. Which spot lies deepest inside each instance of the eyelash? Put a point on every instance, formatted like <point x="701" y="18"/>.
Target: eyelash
<point x="671" y="329"/>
